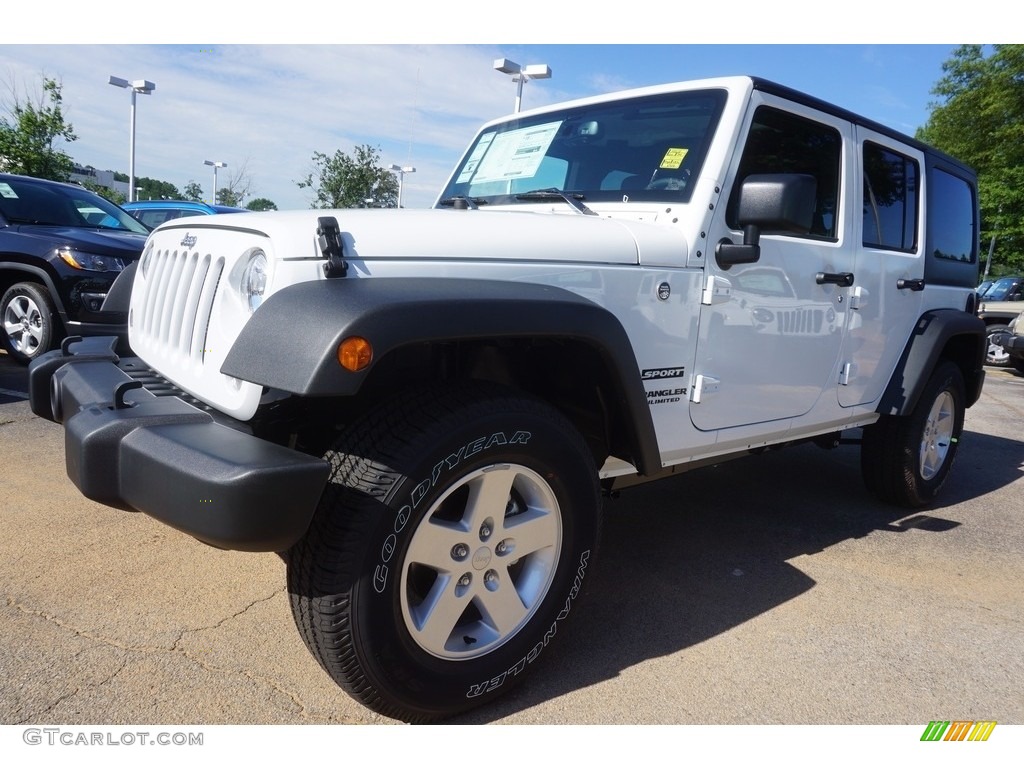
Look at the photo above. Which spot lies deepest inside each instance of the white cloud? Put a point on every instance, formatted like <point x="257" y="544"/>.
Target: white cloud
<point x="272" y="105"/>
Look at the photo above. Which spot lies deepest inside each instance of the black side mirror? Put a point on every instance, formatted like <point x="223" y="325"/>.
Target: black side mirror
<point x="779" y="202"/>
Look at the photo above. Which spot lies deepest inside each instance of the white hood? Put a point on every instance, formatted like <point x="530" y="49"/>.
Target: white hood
<point x="481" y="235"/>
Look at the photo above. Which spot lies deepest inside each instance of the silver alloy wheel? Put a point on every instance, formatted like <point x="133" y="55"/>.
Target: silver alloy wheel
<point x="23" y="323"/>
<point x="938" y="434"/>
<point x="481" y="561"/>
<point x="995" y="354"/>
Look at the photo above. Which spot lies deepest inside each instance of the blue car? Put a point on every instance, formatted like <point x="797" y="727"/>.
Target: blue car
<point x="155" y="212"/>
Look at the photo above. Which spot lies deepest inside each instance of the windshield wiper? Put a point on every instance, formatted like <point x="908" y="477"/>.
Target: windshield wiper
<point x="38" y="222"/>
<point x="553" y="193"/>
<point x="461" y="201"/>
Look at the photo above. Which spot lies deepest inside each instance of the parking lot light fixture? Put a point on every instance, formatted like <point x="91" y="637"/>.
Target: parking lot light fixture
<point x="216" y="164"/>
<point x="521" y="74"/>
<point x="401" y="170"/>
<point x="134" y="86"/>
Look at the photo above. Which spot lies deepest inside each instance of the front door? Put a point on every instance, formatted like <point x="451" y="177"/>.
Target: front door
<point x="771" y="332"/>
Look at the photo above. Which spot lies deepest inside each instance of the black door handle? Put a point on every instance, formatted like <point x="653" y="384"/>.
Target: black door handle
<point x="914" y="285"/>
<point x="842" y="279"/>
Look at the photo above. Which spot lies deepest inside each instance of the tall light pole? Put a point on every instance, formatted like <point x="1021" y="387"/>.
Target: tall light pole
<point x="401" y="170"/>
<point x="135" y="86"/>
<point x="216" y="164"/>
<point x="521" y="74"/>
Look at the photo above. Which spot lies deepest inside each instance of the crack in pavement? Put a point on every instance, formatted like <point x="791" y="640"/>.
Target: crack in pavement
<point x="174" y="648"/>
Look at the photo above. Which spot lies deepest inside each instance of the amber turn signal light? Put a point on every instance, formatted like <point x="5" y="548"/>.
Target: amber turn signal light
<point x="355" y="353"/>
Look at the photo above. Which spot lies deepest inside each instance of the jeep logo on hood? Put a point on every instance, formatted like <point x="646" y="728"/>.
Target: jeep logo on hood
<point x="188" y="240"/>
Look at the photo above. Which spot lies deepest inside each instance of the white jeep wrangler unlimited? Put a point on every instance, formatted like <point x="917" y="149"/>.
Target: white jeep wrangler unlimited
<point x="420" y="409"/>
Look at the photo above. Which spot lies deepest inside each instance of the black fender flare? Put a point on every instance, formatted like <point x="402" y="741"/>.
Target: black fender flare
<point x="44" y="277"/>
<point x="952" y="333"/>
<point x="120" y="293"/>
<point x="400" y="311"/>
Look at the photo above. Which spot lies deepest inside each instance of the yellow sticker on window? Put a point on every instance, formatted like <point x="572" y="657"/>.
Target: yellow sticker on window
<point x="673" y="157"/>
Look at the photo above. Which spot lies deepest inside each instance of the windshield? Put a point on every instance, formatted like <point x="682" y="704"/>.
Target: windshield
<point x="58" y="205"/>
<point x="647" y="148"/>
<point x="1005" y="289"/>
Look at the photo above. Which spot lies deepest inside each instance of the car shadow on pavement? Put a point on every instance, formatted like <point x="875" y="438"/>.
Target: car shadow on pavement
<point x="691" y="557"/>
<point x="984" y="463"/>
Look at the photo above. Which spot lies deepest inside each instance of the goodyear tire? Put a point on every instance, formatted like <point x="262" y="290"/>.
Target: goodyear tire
<point x="905" y="459"/>
<point x="447" y="550"/>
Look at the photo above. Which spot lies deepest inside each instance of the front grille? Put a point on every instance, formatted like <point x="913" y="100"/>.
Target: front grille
<point x="175" y="313"/>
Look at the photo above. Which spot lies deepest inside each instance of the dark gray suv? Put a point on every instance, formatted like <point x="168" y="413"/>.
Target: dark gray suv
<point x="61" y="248"/>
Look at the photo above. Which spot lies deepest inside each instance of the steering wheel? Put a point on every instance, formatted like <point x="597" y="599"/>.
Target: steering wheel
<point x="669" y="183"/>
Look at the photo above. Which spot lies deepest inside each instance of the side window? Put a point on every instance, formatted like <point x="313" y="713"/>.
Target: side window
<point x="951" y="225"/>
<point x="781" y="142"/>
<point x="890" y="199"/>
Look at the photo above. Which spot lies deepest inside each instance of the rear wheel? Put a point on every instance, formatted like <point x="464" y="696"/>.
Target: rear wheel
<point x="447" y="549"/>
<point x="906" y="459"/>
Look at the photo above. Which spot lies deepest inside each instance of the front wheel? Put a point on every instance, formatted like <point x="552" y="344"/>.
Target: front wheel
<point x="29" y="322"/>
<point x="447" y="549"/>
<point x="906" y="459"/>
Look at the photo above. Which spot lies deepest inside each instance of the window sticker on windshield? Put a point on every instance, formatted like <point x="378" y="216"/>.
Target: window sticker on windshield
<point x="474" y="160"/>
<point x="6" y="191"/>
<point x="516" y="154"/>
<point x="673" y="158"/>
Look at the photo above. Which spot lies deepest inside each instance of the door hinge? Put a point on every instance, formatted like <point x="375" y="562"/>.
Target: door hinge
<point x="703" y="385"/>
<point x="847" y="373"/>
<point x="858" y="298"/>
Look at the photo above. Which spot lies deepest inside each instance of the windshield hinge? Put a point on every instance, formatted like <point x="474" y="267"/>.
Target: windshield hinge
<point x="328" y="238"/>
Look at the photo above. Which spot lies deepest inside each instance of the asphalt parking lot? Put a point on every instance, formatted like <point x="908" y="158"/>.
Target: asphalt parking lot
<point x="769" y="590"/>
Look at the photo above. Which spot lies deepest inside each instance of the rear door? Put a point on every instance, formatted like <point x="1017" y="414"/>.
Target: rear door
<point x="889" y="267"/>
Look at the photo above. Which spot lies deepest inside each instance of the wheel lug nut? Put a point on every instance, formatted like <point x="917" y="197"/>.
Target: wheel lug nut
<point x="460" y="552"/>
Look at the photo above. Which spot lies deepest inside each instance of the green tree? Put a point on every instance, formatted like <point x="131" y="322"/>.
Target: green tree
<point x="341" y="181"/>
<point x="261" y="204"/>
<point x="237" y="186"/>
<point x="154" y="189"/>
<point x="193" y="192"/>
<point x="228" y="197"/>
<point x="31" y="133"/>
<point x="118" y="198"/>
<point x="979" y="119"/>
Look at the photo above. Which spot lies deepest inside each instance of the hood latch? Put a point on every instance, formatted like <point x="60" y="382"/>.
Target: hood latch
<point x="328" y="237"/>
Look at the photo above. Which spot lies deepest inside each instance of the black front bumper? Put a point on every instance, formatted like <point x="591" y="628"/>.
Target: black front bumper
<point x="126" y="448"/>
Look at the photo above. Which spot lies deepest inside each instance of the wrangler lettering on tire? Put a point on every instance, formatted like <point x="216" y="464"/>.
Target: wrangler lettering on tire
<point x="449" y="546"/>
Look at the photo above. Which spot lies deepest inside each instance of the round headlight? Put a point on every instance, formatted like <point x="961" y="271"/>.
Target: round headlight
<point x="254" y="279"/>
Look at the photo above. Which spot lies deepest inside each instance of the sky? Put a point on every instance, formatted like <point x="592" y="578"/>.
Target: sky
<point x="339" y="81"/>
